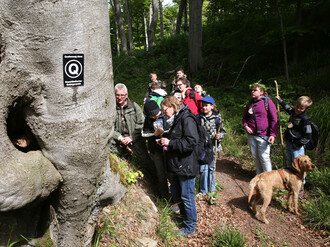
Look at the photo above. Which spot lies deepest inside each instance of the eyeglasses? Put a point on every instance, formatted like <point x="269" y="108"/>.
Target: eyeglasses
<point x="179" y="85"/>
<point x="120" y="95"/>
<point x="165" y="110"/>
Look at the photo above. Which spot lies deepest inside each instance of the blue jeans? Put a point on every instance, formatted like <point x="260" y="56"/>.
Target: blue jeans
<point x="260" y="149"/>
<point x="205" y="178"/>
<point x="292" y="153"/>
<point x="182" y="189"/>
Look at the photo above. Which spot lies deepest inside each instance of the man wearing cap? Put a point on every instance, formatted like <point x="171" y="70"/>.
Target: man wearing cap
<point x="211" y="120"/>
<point x="155" y="124"/>
<point x="127" y="131"/>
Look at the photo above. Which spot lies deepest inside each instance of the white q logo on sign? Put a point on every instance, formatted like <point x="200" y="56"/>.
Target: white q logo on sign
<point x="73" y="68"/>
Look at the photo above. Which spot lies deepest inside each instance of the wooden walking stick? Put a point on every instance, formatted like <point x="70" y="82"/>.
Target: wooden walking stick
<point x="216" y="156"/>
<point x="279" y="122"/>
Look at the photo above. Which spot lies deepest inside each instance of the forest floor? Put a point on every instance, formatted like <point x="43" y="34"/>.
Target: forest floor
<point x="284" y="229"/>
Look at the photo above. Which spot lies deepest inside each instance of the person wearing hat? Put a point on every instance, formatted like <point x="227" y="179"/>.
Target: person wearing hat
<point x="210" y="119"/>
<point x="155" y="125"/>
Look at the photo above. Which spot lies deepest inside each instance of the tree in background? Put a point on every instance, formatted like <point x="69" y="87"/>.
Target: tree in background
<point x="129" y="25"/>
<point x="153" y="24"/>
<point x="195" y="35"/>
<point x="182" y="7"/>
<point x="120" y="22"/>
<point x="161" y="19"/>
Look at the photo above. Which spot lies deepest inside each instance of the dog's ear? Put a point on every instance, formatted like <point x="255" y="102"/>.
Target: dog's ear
<point x="296" y="163"/>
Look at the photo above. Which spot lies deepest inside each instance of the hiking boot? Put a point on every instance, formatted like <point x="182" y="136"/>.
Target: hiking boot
<point x="183" y="233"/>
<point x="301" y="192"/>
<point x="175" y="209"/>
<point x="200" y="195"/>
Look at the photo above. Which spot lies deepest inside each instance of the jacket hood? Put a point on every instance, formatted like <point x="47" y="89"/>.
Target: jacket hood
<point x="159" y="92"/>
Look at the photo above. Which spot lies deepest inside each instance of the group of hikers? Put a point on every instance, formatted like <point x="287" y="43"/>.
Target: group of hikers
<point x="165" y="137"/>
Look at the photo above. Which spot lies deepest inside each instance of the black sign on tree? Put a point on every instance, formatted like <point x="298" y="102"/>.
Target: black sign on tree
<point x="73" y="70"/>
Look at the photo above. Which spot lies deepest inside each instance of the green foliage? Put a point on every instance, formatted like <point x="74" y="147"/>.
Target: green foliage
<point x="213" y="196"/>
<point x="319" y="181"/>
<point x="106" y="227"/>
<point x="261" y="235"/>
<point x="166" y="226"/>
<point x="228" y="237"/>
<point x="317" y="212"/>
<point x="127" y="175"/>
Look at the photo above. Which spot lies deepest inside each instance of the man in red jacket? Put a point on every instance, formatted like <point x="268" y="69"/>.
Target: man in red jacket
<point x="189" y="96"/>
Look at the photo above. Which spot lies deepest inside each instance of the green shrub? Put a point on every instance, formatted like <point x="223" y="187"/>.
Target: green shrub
<point x="317" y="212"/>
<point x="166" y="226"/>
<point x="228" y="237"/>
<point x="320" y="180"/>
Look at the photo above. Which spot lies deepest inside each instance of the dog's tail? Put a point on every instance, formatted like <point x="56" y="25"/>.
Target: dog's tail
<point x="253" y="184"/>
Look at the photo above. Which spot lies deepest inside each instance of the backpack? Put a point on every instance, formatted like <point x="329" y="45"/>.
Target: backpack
<point x="204" y="148"/>
<point x="158" y="99"/>
<point x="192" y="96"/>
<point x="315" y="136"/>
<point x="266" y="102"/>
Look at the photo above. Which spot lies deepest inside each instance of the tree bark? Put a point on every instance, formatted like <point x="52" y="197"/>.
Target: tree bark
<point x="182" y="6"/>
<point x="120" y="22"/>
<point x="129" y="24"/>
<point x="195" y="35"/>
<point x="71" y="125"/>
<point x="153" y="24"/>
<point x="161" y="22"/>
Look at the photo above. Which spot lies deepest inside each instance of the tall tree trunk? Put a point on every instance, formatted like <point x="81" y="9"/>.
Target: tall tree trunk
<point x="195" y="35"/>
<point x="120" y="22"/>
<point x="117" y="32"/>
<point x="286" y="68"/>
<point x="161" y="22"/>
<point x="153" y="24"/>
<point x="182" y="6"/>
<point x="56" y="83"/>
<point x="129" y="24"/>
<point x="299" y="10"/>
<point x="145" y="31"/>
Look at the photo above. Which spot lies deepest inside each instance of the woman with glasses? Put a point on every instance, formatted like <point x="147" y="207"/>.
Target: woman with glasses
<point x="183" y="167"/>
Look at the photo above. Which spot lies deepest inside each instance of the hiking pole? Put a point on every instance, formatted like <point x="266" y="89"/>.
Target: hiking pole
<point x="279" y="122"/>
<point x="216" y="156"/>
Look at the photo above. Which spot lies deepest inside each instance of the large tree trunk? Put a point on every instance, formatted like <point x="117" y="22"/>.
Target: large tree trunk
<point x="182" y="6"/>
<point x="70" y="125"/>
<point x="129" y="24"/>
<point x="153" y="24"/>
<point x="195" y="35"/>
<point x="120" y="22"/>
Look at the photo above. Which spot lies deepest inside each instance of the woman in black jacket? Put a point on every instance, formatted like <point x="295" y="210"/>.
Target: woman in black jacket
<point x="182" y="164"/>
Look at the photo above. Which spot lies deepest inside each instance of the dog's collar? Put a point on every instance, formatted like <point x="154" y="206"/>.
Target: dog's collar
<point x="295" y="172"/>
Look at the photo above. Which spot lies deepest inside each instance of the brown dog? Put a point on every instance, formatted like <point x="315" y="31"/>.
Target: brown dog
<point x="264" y="183"/>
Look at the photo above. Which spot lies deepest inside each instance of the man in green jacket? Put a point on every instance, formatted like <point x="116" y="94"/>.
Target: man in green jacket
<point x="127" y="132"/>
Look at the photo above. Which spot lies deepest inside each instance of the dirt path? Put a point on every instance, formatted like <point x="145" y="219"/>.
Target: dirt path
<point x="136" y="219"/>
<point x="284" y="229"/>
